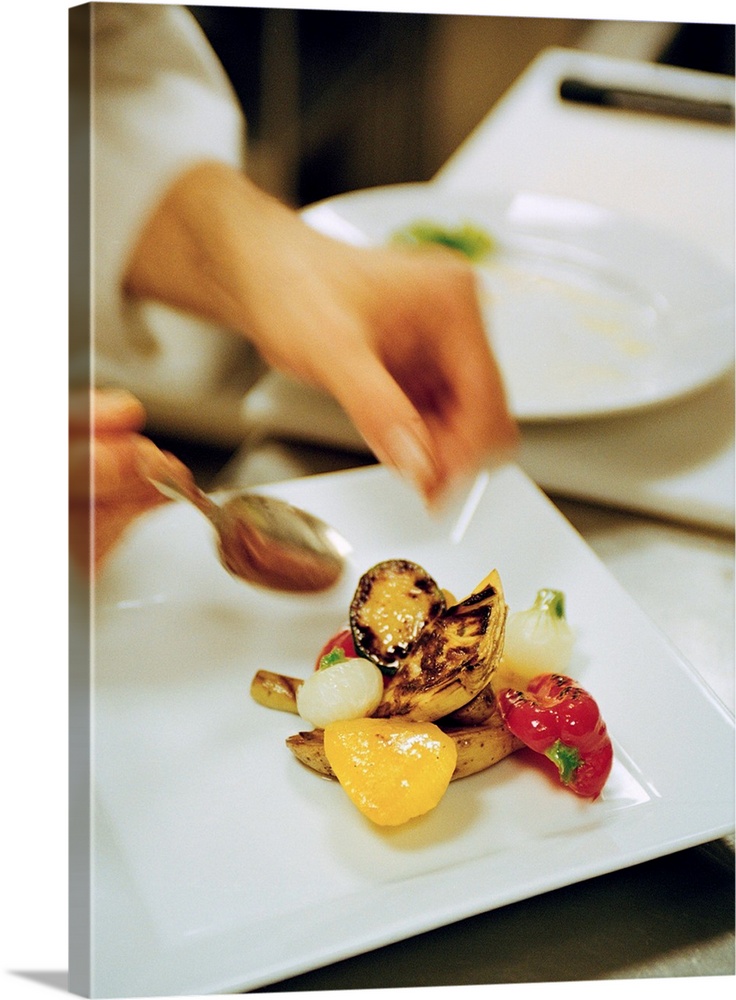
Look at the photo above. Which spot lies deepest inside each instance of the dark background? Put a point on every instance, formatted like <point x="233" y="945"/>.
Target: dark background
<point x="339" y="100"/>
<point x="342" y="100"/>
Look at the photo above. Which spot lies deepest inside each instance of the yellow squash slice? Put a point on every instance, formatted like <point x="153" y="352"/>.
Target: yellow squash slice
<point x="392" y="770"/>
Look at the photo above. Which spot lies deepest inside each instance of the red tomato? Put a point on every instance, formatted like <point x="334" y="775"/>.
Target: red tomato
<point x="343" y="640"/>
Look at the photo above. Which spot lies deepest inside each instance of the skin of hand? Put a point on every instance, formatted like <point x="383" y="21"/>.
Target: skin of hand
<point x="106" y="490"/>
<point x="394" y="334"/>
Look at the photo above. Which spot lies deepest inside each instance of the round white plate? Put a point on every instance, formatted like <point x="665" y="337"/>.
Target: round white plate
<point x="589" y="313"/>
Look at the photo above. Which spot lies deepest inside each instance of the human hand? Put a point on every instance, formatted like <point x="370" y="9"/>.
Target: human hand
<point x="395" y="335"/>
<point x="398" y="339"/>
<point x="106" y="491"/>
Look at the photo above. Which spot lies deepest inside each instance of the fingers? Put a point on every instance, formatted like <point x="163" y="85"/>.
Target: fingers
<point x="107" y="469"/>
<point x="104" y="444"/>
<point x="105" y="451"/>
<point x="107" y="409"/>
<point x="392" y="427"/>
<point x="151" y="462"/>
<point x="425" y="392"/>
<point x="120" y="494"/>
<point x="471" y="424"/>
<point x="103" y="427"/>
<point x="440" y="357"/>
<point x="112" y="469"/>
<point x="476" y="424"/>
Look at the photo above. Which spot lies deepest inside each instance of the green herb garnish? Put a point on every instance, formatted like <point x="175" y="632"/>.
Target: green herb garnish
<point x="468" y="239"/>
<point x="334" y="656"/>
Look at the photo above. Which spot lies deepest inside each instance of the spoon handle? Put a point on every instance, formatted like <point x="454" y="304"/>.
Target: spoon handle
<point x="261" y="540"/>
<point x="174" y="480"/>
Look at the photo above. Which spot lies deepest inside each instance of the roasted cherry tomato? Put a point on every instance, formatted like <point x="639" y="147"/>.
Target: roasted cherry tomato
<point x="340" y="647"/>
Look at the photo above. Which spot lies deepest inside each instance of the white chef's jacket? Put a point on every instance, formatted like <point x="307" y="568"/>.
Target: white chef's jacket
<point x="160" y="101"/>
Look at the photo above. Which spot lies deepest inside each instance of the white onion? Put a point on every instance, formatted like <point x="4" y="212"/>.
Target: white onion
<point x="350" y="689"/>
<point x="538" y="640"/>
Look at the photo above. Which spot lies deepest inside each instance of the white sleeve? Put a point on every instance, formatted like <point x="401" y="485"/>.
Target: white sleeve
<point x="160" y="102"/>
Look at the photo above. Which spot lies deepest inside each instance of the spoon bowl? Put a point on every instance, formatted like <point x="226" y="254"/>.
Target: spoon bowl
<point x="260" y="539"/>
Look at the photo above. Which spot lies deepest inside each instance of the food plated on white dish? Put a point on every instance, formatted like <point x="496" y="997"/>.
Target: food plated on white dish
<point x="590" y="313"/>
<point x="221" y="863"/>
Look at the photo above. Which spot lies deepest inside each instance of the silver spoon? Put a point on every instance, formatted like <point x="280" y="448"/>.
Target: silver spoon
<point x="260" y="539"/>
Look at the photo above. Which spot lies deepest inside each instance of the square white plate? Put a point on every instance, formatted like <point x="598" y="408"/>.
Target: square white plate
<point x="219" y="863"/>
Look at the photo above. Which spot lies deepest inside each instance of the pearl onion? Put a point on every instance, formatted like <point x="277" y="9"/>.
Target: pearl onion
<point x="350" y="689"/>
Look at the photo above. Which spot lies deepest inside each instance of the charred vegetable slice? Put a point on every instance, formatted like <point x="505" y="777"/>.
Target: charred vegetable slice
<point x="452" y="660"/>
<point x="393" y="602"/>
<point x="478" y="711"/>
<point x="275" y="691"/>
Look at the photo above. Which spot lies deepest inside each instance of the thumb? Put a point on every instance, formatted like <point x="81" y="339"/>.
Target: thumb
<point x="390" y="424"/>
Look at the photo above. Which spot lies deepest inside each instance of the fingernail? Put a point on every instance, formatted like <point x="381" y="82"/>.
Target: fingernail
<point x="411" y="458"/>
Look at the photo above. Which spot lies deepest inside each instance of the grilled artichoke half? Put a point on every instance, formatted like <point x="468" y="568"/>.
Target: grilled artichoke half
<point x="453" y="658"/>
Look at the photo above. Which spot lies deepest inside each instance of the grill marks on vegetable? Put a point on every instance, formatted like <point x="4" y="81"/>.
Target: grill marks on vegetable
<point x="277" y="691"/>
<point x="450" y="647"/>
<point x="437" y="720"/>
<point x="452" y="659"/>
<point x="393" y="602"/>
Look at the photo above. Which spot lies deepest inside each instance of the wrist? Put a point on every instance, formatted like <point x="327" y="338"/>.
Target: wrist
<point x="206" y="248"/>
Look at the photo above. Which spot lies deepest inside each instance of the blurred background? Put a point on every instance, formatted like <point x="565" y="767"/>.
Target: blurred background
<point x="340" y="100"/>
